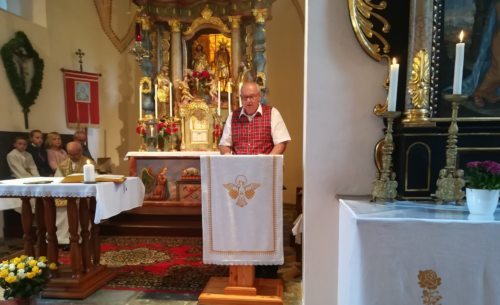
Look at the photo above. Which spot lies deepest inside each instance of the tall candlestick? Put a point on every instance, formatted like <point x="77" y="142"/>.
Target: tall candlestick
<point x="88" y="172"/>
<point x="459" y="65"/>
<point x="156" y="101"/>
<point x="239" y="92"/>
<point x="218" y="98"/>
<point x="170" y="101"/>
<point x="393" y="86"/>
<point x="151" y="131"/>
<point x="140" y="101"/>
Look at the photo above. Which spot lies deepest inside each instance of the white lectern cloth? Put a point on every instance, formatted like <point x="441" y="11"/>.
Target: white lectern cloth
<point x="238" y="228"/>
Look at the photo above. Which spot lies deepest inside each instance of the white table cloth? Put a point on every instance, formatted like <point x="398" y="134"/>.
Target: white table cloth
<point x="408" y="253"/>
<point x="242" y="210"/>
<point x="111" y="198"/>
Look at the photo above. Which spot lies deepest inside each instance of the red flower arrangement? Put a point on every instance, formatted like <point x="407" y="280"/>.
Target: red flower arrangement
<point x="166" y="129"/>
<point x="217" y="131"/>
<point x="200" y="81"/>
<point x="140" y="129"/>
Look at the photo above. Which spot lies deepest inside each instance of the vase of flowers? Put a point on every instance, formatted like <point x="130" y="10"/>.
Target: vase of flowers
<point x="168" y="129"/>
<point x="24" y="277"/>
<point x="482" y="186"/>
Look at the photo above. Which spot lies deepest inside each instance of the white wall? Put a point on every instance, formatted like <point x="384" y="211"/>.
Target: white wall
<point x="285" y="68"/>
<point x="342" y="86"/>
<point x="72" y="25"/>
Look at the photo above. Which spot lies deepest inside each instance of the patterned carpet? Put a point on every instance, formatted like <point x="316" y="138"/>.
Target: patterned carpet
<point x="158" y="263"/>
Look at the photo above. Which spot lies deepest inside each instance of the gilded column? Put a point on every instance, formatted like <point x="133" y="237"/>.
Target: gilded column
<point x="176" y="50"/>
<point x="235" y="46"/>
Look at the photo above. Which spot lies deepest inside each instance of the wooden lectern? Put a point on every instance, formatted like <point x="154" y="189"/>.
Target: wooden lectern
<point x="241" y="287"/>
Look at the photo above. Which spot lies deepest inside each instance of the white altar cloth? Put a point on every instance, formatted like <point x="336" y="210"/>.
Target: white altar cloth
<point x="384" y="248"/>
<point x="111" y="198"/>
<point x="242" y="210"/>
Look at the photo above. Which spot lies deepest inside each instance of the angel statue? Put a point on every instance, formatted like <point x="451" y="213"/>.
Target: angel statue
<point x="186" y="95"/>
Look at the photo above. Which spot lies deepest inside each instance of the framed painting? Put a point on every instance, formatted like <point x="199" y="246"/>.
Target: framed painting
<point x="436" y="26"/>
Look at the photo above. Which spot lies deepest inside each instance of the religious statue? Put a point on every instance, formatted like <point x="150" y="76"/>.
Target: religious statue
<point x="186" y="96"/>
<point x="200" y="62"/>
<point x="222" y="65"/>
<point x="163" y="92"/>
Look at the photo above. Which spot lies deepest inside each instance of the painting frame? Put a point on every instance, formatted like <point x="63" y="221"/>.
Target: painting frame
<point x="434" y="26"/>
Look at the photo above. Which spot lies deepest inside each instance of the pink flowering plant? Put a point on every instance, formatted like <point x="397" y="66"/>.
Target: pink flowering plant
<point x="483" y="175"/>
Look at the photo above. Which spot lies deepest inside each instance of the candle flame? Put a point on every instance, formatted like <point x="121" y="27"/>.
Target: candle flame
<point x="394" y="61"/>
<point x="461" y="36"/>
<point x="88" y="161"/>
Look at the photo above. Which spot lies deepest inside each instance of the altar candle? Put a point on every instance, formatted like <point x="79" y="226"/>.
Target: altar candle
<point x="170" y="101"/>
<point x="88" y="172"/>
<point x="229" y="98"/>
<point x="393" y="86"/>
<point x="156" y="101"/>
<point x="459" y="65"/>
<point x="218" y="98"/>
<point x="140" y="101"/>
<point x="239" y="92"/>
<point x="151" y="131"/>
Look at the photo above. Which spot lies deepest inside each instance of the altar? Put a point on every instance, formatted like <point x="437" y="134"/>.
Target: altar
<point x="88" y="205"/>
<point x="408" y="253"/>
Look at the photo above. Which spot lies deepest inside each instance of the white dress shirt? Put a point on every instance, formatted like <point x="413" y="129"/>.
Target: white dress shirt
<point x="21" y="164"/>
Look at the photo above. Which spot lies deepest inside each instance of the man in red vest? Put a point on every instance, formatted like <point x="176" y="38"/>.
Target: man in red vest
<point x="254" y="128"/>
<point x="251" y="130"/>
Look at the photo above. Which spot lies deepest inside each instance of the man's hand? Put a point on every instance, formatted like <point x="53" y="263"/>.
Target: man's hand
<point x="225" y="150"/>
<point x="279" y="148"/>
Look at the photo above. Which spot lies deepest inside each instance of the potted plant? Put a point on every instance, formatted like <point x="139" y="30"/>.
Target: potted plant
<point x="23" y="277"/>
<point x="482" y="186"/>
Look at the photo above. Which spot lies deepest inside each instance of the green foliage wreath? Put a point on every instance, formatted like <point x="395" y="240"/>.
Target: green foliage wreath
<point x="20" y="47"/>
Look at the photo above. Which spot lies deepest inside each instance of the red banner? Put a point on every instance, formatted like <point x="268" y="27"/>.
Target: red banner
<point x="81" y="91"/>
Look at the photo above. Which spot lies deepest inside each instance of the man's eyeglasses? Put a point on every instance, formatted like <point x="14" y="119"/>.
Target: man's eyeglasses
<point x="249" y="97"/>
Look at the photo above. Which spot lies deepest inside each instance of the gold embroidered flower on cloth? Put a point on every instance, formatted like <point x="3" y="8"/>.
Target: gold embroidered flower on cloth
<point x="428" y="279"/>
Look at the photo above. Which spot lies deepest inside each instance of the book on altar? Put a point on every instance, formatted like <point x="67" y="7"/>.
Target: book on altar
<point x="78" y="178"/>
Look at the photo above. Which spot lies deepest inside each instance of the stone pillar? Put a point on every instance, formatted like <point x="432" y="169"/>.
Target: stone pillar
<point x="235" y="46"/>
<point x="176" y="50"/>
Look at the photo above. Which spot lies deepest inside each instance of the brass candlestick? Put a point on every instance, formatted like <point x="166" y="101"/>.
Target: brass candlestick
<point x="451" y="182"/>
<point x="385" y="186"/>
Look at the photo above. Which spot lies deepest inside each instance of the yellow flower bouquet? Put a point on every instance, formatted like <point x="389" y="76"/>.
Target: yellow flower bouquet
<point x="24" y="276"/>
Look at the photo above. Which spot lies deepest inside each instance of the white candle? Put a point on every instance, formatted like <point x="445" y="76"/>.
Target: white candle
<point x="218" y="98"/>
<point x="140" y="101"/>
<point x="151" y="130"/>
<point x="239" y="92"/>
<point x="229" y="99"/>
<point x="459" y="65"/>
<point x="393" y="86"/>
<point x="170" y="101"/>
<point x="156" y="101"/>
<point x="88" y="172"/>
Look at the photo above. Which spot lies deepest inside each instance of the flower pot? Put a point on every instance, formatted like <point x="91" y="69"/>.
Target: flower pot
<point x="482" y="202"/>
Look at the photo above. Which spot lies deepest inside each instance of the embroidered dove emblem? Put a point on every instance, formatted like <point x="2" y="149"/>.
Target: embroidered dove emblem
<point x="240" y="190"/>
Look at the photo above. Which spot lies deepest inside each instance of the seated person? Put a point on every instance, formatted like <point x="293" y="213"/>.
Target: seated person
<point x="21" y="162"/>
<point x="39" y="154"/>
<point x="81" y="137"/>
<point x="74" y="164"/>
<point x="55" y="153"/>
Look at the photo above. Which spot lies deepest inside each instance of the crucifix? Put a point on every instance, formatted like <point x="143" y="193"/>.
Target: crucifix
<point x="80" y="54"/>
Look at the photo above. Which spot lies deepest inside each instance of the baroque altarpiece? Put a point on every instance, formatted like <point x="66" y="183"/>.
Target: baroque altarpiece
<point x="193" y="56"/>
